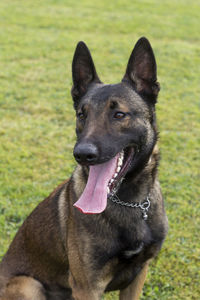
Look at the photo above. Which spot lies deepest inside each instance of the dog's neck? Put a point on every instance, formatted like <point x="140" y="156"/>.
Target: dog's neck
<point x="137" y="188"/>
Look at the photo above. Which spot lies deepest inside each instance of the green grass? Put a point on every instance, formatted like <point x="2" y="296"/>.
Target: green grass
<point x="37" y="119"/>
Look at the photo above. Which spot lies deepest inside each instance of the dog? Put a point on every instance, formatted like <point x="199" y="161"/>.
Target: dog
<point x="97" y="231"/>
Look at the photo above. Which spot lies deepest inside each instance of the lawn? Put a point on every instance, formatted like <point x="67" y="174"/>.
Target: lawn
<point x="37" y="41"/>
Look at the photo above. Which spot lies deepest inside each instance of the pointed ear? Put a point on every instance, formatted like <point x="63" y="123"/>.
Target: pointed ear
<point x="83" y="71"/>
<point x="142" y="71"/>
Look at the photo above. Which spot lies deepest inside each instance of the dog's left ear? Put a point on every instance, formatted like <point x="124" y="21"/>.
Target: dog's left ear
<point x="141" y="70"/>
<point x="83" y="72"/>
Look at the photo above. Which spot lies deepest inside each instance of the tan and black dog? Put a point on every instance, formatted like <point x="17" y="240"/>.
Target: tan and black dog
<point x="97" y="231"/>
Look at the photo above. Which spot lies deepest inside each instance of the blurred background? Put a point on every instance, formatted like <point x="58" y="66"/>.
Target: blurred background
<point x="37" y="41"/>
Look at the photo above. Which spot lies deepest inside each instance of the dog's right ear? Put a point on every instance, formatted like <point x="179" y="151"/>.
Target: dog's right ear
<point x="83" y="72"/>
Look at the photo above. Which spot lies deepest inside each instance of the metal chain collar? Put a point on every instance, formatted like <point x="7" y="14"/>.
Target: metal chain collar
<point x="143" y="206"/>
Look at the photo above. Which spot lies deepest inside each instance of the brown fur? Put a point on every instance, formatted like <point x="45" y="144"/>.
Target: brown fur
<point x="23" y="288"/>
<point x="133" y="291"/>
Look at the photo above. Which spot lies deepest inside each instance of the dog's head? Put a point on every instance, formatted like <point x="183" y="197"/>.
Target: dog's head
<point x="115" y="123"/>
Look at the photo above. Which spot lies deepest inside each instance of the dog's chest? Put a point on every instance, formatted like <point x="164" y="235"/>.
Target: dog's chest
<point x="123" y="251"/>
<point x="128" y="263"/>
<point x="121" y="244"/>
<point x="130" y="253"/>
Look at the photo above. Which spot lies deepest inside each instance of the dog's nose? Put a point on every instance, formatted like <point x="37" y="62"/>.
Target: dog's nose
<point x="86" y="153"/>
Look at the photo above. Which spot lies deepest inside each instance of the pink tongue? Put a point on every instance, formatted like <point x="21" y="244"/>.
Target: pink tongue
<point x="94" y="197"/>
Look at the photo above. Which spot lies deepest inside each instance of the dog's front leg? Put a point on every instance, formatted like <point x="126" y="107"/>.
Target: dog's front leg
<point x="133" y="291"/>
<point x="81" y="290"/>
<point x="81" y="274"/>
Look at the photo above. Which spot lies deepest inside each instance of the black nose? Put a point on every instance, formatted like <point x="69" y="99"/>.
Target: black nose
<point x="86" y="153"/>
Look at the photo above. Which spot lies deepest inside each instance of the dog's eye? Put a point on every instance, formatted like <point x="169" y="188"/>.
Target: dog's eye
<point x="119" y="115"/>
<point x="81" y="116"/>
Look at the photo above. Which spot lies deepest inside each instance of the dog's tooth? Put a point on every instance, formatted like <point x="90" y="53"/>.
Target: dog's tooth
<point x="112" y="180"/>
<point x="122" y="155"/>
<point x="120" y="161"/>
<point x="118" y="169"/>
<point x="115" y="175"/>
<point x="108" y="190"/>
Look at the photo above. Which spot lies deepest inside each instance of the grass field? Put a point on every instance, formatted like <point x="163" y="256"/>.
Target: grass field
<point x="37" y="119"/>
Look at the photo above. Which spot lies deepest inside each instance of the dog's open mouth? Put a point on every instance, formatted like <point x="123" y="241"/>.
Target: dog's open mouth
<point x="123" y="164"/>
<point x="103" y="180"/>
